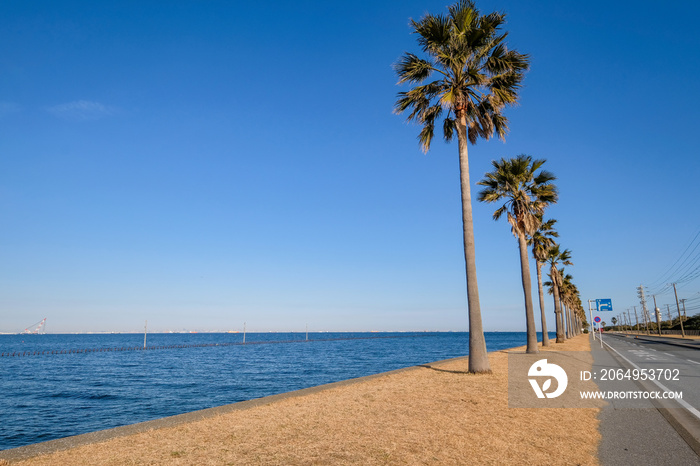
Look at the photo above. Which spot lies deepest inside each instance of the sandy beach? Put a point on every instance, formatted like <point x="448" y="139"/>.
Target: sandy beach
<point x="432" y="414"/>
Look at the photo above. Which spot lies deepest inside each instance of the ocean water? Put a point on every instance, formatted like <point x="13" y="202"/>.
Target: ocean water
<point x="53" y="388"/>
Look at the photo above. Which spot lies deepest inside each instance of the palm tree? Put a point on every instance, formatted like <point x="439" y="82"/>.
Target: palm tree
<point x="526" y="194"/>
<point x="477" y="77"/>
<point x="541" y="241"/>
<point x="568" y="294"/>
<point x="574" y="302"/>
<point x="555" y="257"/>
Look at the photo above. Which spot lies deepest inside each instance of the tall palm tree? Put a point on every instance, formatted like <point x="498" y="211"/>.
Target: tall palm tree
<point x="555" y="257"/>
<point x="574" y="301"/>
<point x="568" y="293"/>
<point x="541" y="241"/>
<point x="577" y="309"/>
<point x="526" y="194"/>
<point x="556" y="294"/>
<point x="477" y="77"/>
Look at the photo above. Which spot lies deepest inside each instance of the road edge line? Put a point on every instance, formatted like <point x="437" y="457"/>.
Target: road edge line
<point x="684" y="421"/>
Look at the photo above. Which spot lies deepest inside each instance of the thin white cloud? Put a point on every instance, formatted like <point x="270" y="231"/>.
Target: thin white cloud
<point x="81" y="110"/>
<point x="8" y="108"/>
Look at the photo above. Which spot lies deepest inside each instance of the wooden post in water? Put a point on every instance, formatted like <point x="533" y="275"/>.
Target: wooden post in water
<point x="244" y="332"/>
<point x="307" y="332"/>
<point x="145" y="331"/>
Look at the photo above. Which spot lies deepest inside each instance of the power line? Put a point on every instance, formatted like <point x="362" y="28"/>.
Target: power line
<point x="681" y="271"/>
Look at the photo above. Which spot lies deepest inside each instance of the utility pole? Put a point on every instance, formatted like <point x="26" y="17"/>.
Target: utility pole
<point x="629" y="319"/>
<point x="685" y="317"/>
<point x="657" y="311"/>
<point x="643" y="301"/>
<point x="668" y="313"/>
<point x="679" y="310"/>
<point x="636" y="318"/>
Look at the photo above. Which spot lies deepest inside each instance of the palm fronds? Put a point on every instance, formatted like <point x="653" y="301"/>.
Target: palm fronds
<point x="475" y="74"/>
<point x="526" y="193"/>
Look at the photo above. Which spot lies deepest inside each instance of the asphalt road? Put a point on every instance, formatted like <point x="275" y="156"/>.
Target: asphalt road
<point x="634" y="431"/>
<point x="666" y="359"/>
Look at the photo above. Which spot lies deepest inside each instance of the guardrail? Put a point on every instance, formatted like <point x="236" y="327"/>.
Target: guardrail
<point x="693" y="333"/>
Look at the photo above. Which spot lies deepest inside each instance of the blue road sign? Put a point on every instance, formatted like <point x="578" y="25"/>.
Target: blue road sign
<point x="603" y="305"/>
<point x="597" y="319"/>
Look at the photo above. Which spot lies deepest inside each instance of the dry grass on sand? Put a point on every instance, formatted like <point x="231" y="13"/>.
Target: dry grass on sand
<point x="427" y="415"/>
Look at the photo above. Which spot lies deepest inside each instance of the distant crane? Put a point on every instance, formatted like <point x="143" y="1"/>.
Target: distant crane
<point x="36" y="327"/>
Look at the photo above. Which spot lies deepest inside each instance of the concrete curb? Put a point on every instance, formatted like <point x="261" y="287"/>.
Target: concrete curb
<point x="669" y="342"/>
<point x="685" y="424"/>
<point x="52" y="446"/>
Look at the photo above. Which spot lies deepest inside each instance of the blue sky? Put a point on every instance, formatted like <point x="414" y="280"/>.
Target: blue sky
<point x="204" y="164"/>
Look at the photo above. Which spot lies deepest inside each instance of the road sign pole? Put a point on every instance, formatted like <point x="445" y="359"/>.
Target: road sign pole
<point x="590" y="315"/>
<point x="602" y="305"/>
<point x="599" y="321"/>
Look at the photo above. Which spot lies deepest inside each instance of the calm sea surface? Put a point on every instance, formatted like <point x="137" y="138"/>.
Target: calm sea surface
<point x="49" y="396"/>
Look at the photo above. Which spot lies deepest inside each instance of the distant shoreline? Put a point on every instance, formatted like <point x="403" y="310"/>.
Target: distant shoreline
<point x="225" y="332"/>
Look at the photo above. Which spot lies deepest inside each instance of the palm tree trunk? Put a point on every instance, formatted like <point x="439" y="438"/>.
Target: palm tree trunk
<point x="557" y="306"/>
<point x="557" y="320"/>
<point x="571" y="321"/>
<point x="545" y="336"/>
<point x="527" y="290"/>
<point x="562" y="317"/>
<point x="478" y="357"/>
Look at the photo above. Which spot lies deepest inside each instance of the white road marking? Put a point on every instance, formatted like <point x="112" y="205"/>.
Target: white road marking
<point x="683" y="403"/>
